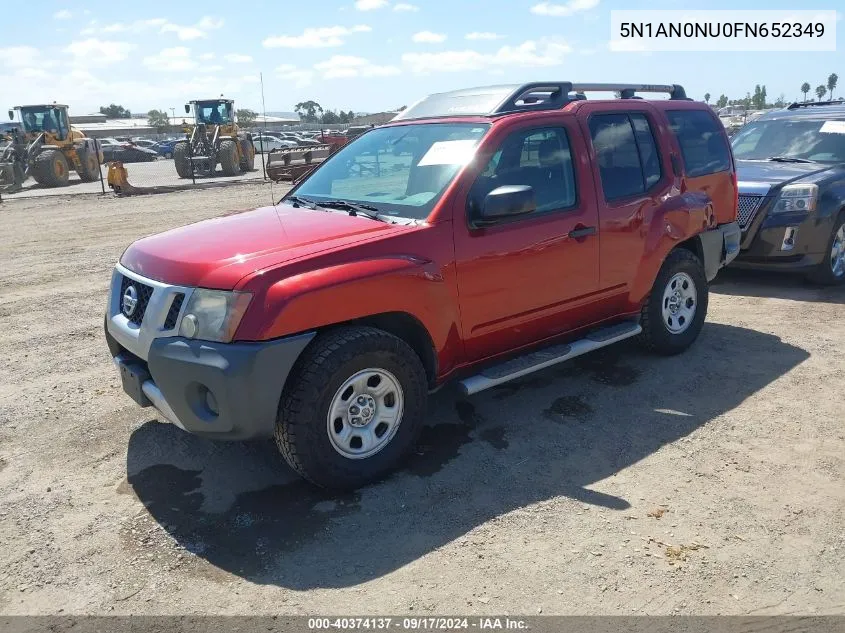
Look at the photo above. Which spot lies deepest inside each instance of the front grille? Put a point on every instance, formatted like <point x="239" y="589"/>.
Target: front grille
<point x="173" y="313"/>
<point x="748" y="207"/>
<point x="144" y="294"/>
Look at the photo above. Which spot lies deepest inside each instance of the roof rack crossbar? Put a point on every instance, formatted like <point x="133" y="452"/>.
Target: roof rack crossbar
<point x="554" y="95"/>
<point x="808" y="104"/>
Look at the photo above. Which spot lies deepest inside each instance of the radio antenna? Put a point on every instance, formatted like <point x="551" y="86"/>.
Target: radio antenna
<point x="264" y="112"/>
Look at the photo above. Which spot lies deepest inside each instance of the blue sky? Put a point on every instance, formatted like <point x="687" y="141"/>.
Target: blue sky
<point x="364" y="55"/>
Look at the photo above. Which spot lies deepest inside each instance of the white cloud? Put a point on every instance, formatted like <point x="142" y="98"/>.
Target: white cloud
<point x="483" y="35"/>
<point x="427" y="37"/>
<point x="320" y="37"/>
<point x="236" y="58"/>
<point x="347" y="66"/>
<point x="211" y="69"/>
<point x="19" y="57"/>
<point x="185" y="33"/>
<point x="174" y="59"/>
<point x="96" y="52"/>
<point x="564" y="10"/>
<point x="194" y="32"/>
<point x="541" y="53"/>
<point x="405" y="6"/>
<point x="64" y="14"/>
<point x="300" y="77"/>
<point x="207" y="56"/>
<point x="370" y="5"/>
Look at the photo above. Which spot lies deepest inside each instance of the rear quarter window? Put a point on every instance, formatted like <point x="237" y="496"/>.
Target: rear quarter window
<point x="702" y="139"/>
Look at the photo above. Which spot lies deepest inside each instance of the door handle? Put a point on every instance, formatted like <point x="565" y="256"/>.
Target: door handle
<point x="582" y="231"/>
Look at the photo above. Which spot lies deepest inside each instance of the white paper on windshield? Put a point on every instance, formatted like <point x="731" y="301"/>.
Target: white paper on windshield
<point x="833" y="127"/>
<point x="449" y="153"/>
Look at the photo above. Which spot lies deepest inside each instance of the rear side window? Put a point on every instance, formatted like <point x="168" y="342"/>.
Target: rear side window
<point x="702" y="141"/>
<point x="626" y="152"/>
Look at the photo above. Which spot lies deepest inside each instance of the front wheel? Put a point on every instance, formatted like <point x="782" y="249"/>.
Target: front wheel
<point x="674" y="312"/>
<point x="353" y="406"/>
<point x="831" y="271"/>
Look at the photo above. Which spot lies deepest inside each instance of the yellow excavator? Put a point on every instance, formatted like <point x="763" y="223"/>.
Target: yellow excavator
<point x="46" y="147"/>
<point x="214" y="138"/>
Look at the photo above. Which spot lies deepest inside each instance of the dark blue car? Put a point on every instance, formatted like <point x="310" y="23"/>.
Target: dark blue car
<point x="164" y="148"/>
<point x="791" y="169"/>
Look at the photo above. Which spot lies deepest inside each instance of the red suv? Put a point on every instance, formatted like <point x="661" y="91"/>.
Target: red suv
<point x="482" y="235"/>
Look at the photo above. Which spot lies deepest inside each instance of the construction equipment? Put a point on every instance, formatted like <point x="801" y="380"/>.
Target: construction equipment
<point x="214" y="138"/>
<point x="46" y="147"/>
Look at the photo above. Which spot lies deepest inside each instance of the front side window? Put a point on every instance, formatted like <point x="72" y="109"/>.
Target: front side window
<point x="541" y="159"/>
<point x="817" y="140"/>
<point x="401" y="171"/>
<point x="702" y="141"/>
<point x="213" y="112"/>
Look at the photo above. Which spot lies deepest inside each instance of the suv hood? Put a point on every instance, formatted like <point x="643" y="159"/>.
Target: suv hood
<point x="218" y="253"/>
<point x="772" y="173"/>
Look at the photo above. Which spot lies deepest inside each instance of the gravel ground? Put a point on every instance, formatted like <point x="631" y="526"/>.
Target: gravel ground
<point x="708" y="483"/>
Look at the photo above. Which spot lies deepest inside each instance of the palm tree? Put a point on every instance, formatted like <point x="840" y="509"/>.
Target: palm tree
<point x="706" y="97"/>
<point x="831" y="83"/>
<point x="820" y="91"/>
<point x="805" y="88"/>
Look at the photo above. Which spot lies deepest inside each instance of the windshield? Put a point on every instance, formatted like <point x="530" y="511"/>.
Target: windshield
<point x="817" y="140"/>
<point x="214" y="112"/>
<point x="401" y="171"/>
<point x="44" y="119"/>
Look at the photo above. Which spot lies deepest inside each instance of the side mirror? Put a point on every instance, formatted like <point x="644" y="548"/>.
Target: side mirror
<point x="187" y="109"/>
<point x="11" y="115"/>
<point x="507" y="201"/>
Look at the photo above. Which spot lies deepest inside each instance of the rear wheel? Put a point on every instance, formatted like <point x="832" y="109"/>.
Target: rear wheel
<point x="90" y="170"/>
<point x="181" y="157"/>
<point x="674" y="312"/>
<point x="351" y="409"/>
<point x="831" y="271"/>
<point x="228" y="155"/>
<point x="51" y="169"/>
<point x="247" y="156"/>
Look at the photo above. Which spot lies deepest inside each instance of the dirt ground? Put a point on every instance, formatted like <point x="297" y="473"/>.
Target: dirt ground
<point x="708" y="483"/>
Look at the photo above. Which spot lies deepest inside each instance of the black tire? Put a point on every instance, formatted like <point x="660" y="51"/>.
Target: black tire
<point x="656" y="335"/>
<point x="51" y="169"/>
<point x="181" y="157"/>
<point x="247" y="156"/>
<point x="302" y="433"/>
<point x="228" y="155"/>
<point x="823" y="273"/>
<point x="90" y="170"/>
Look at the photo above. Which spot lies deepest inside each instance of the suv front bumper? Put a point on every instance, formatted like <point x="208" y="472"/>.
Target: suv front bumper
<point x="219" y="390"/>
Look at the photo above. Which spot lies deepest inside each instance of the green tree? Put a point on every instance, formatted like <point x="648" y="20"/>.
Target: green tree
<point x="706" y="97"/>
<point x="331" y="117"/>
<point x="831" y="83"/>
<point x="821" y="91"/>
<point x="722" y="102"/>
<point x="246" y="117"/>
<point x="158" y="119"/>
<point x="805" y="88"/>
<point x="781" y="102"/>
<point x="115" y="112"/>
<point x="762" y="97"/>
<point x="308" y="111"/>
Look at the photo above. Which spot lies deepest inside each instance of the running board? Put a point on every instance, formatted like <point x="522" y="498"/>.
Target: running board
<point x="535" y="361"/>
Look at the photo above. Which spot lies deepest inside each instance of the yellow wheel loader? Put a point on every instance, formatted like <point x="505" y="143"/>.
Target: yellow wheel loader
<point x="213" y="139"/>
<point x="46" y="147"/>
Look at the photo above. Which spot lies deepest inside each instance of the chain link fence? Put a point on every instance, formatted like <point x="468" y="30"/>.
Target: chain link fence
<point x="155" y="162"/>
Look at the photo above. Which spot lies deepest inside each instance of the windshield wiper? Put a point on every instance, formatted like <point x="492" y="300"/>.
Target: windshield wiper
<point x="299" y="201"/>
<point x="790" y="159"/>
<point x="355" y="208"/>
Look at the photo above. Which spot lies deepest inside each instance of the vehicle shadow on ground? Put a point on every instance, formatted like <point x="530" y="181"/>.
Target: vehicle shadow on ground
<point x="776" y="285"/>
<point x="560" y="432"/>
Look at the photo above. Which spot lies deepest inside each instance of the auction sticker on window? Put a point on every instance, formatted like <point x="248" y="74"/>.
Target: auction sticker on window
<point x="833" y="127"/>
<point x="449" y="153"/>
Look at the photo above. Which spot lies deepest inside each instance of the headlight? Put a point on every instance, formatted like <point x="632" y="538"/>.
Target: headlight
<point x="214" y="315"/>
<point x="796" y="198"/>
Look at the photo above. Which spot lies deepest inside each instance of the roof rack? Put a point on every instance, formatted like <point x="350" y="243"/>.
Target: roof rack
<point x="547" y="95"/>
<point x="807" y="104"/>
